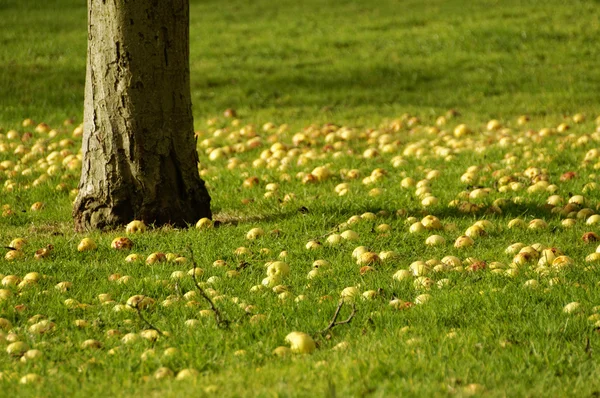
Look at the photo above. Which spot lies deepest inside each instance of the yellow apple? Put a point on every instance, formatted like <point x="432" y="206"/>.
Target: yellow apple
<point x="463" y="241"/>
<point x="91" y="344"/>
<point x="18" y="243"/>
<point x="255" y="233"/>
<point x="140" y="301"/>
<point x="155" y="258"/>
<point x="349" y="235"/>
<point x="133" y="258"/>
<point x="572" y="308"/>
<point x="435" y="240"/>
<point x="121" y="243"/>
<point x="402" y="274"/>
<point x="136" y="226"/>
<point x="282" y="351"/>
<point x="17" y="348"/>
<point x="204" y="223"/>
<point x="30" y="378"/>
<point x="13" y="255"/>
<point x="278" y="269"/>
<point x="187" y="373"/>
<point x="300" y="343"/>
<point x="86" y="244"/>
<point x="150" y="334"/>
<point x="163" y="373"/>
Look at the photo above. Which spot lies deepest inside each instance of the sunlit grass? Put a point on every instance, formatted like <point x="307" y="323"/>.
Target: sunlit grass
<point x="316" y="61"/>
<point x="385" y="76"/>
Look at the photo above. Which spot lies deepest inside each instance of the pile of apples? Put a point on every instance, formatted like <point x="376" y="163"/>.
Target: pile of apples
<point x="512" y="167"/>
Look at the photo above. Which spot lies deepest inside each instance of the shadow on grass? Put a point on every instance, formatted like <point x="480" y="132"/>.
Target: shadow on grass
<point x="338" y="213"/>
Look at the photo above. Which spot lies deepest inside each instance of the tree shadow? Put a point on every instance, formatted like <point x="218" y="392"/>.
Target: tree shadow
<point x="526" y="212"/>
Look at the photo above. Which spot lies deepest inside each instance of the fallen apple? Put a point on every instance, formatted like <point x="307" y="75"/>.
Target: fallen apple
<point x="135" y="226"/>
<point x="86" y="244"/>
<point x="572" y="307"/>
<point x="185" y="374"/>
<point x="300" y="343"/>
<point x="17" y="348"/>
<point x="255" y="233"/>
<point x="121" y="243"/>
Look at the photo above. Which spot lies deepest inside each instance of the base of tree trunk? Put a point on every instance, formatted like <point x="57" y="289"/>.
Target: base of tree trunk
<point x="96" y="213"/>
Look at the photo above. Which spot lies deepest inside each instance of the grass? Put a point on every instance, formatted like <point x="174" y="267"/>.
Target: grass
<point x="323" y="61"/>
<point x="371" y="69"/>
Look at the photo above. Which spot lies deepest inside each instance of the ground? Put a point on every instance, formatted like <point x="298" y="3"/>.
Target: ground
<point x="411" y="124"/>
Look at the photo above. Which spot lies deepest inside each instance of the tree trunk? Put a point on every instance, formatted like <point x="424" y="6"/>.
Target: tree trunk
<point x="139" y="151"/>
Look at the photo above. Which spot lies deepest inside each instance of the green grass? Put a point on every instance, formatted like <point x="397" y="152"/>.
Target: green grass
<point x="305" y="64"/>
<point x="342" y="61"/>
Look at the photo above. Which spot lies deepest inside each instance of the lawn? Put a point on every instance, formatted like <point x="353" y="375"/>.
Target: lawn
<point x="433" y="166"/>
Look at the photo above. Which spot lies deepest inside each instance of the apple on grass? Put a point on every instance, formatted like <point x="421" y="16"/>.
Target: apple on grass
<point x="86" y="244"/>
<point x="300" y="343"/>
<point x="136" y="226"/>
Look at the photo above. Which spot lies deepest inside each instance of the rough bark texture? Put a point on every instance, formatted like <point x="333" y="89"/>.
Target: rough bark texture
<point x="139" y="152"/>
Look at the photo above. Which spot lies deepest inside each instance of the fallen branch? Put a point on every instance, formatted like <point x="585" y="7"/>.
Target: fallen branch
<point x="334" y="321"/>
<point x="139" y="312"/>
<point x="588" y="347"/>
<point x="221" y="322"/>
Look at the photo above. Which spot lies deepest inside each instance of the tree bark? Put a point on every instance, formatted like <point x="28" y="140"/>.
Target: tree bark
<point x="139" y="151"/>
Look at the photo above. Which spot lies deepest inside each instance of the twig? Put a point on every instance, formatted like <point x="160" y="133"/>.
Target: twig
<point x="221" y="322"/>
<point x="331" y="231"/>
<point x="334" y="322"/>
<point x="588" y="348"/>
<point x="177" y="290"/>
<point x="139" y="312"/>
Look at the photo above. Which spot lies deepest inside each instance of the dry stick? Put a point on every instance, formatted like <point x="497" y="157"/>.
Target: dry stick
<point x="221" y="322"/>
<point x="139" y="312"/>
<point x="331" y="231"/>
<point x="177" y="290"/>
<point x="334" y="322"/>
<point x="588" y="348"/>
